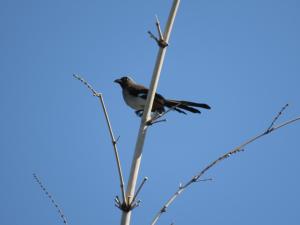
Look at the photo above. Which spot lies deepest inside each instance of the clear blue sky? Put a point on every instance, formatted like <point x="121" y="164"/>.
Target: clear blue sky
<point x="241" y="57"/>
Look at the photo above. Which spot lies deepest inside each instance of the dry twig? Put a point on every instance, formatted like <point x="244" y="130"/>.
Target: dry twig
<point x="59" y="210"/>
<point x="238" y="149"/>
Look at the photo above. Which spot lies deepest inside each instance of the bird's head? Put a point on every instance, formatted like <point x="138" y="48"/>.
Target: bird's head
<point x="124" y="81"/>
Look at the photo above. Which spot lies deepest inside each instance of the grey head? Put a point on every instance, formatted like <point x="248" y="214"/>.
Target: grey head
<point x="124" y="81"/>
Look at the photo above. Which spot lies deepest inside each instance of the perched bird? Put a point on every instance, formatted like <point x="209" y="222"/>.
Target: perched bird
<point x="135" y="96"/>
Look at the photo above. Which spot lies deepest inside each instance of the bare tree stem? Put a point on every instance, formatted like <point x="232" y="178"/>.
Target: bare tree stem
<point x="221" y="158"/>
<point x="137" y="157"/>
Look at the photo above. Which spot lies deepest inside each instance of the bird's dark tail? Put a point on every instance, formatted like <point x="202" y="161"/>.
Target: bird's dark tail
<point x="185" y="105"/>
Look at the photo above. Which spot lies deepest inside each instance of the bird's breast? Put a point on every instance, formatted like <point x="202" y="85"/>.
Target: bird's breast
<point x="135" y="102"/>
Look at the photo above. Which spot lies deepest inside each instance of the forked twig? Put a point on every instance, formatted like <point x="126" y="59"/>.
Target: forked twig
<point x="240" y="148"/>
<point x="113" y="140"/>
<point x="59" y="210"/>
<point x="161" y="42"/>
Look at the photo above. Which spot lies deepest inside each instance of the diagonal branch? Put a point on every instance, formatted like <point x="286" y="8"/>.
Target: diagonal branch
<point x="139" y="189"/>
<point x="237" y="149"/>
<point x="59" y="210"/>
<point x="95" y="93"/>
<point x="113" y="140"/>
<point x="156" y="118"/>
<point x="277" y="117"/>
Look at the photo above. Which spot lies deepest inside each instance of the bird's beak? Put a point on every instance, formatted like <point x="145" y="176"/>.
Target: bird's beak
<point x="118" y="81"/>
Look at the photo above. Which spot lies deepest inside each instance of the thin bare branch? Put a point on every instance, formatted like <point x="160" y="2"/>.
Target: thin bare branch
<point x="158" y="116"/>
<point x="204" y="180"/>
<point x="95" y="93"/>
<point x="161" y="37"/>
<point x="238" y="149"/>
<point x="117" y="200"/>
<point x="277" y="117"/>
<point x="59" y="210"/>
<point x="153" y="36"/>
<point x="113" y="140"/>
<point x="139" y="189"/>
<point x="156" y="121"/>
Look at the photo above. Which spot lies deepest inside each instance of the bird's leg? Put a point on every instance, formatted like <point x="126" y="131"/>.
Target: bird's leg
<point x="139" y="113"/>
<point x="156" y="115"/>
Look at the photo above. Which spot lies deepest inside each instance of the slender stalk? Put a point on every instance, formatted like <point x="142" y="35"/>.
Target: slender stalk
<point x="237" y="149"/>
<point x="114" y="143"/>
<point x="50" y="196"/>
<point x="139" y="188"/>
<point x="125" y="220"/>
<point x="113" y="140"/>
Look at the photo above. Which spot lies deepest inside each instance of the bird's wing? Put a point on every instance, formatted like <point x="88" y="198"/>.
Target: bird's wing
<point x="142" y="92"/>
<point x="138" y="90"/>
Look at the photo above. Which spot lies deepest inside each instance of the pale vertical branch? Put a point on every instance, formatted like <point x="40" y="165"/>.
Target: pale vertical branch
<point x="125" y="220"/>
<point x="113" y="140"/>
<point x="59" y="210"/>
<point x="237" y="149"/>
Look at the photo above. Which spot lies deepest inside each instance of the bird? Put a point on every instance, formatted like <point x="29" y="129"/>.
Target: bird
<point x="135" y="96"/>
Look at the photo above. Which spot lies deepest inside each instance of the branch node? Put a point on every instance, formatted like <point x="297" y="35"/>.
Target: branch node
<point x="164" y="209"/>
<point x="195" y="179"/>
<point x="125" y="207"/>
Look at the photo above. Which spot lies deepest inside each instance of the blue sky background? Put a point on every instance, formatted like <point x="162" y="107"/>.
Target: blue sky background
<point x="241" y="57"/>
